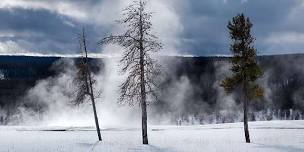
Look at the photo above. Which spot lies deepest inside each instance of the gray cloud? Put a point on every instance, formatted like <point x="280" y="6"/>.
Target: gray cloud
<point x="198" y="27"/>
<point x="205" y="23"/>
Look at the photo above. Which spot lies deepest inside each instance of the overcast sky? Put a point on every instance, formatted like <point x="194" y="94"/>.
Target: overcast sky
<point x="196" y="27"/>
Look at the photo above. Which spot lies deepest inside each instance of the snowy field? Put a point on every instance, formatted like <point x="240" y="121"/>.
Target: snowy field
<point x="274" y="136"/>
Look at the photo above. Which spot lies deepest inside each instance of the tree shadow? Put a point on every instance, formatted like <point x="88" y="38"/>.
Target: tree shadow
<point x="150" y="148"/>
<point x="89" y="145"/>
<point x="280" y="147"/>
<point x="139" y="148"/>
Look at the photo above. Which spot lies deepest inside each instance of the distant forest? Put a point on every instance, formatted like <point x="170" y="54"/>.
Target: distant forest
<point x="201" y="101"/>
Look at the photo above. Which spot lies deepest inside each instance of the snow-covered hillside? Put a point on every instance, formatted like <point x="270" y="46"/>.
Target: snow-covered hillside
<point x="273" y="136"/>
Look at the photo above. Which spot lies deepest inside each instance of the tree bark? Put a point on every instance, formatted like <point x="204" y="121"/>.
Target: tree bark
<point x="95" y="115"/>
<point x="90" y="89"/>
<point x="142" y="84"/>
<point x="245" y="107"/>
<point x="143" y="100"/>
<point x="94" y="106"/>
<point x="247" y="137"/>
<point x="144" y="123"/>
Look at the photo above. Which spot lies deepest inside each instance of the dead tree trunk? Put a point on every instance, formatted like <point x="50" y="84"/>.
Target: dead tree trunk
<point x="94" y="110"/>
<point x="142" y="84"/>
<point x="89" y="85"/>
<point x="139" y="43"/>
<point x="143" y="105"/>
<point x="143" y="98"/>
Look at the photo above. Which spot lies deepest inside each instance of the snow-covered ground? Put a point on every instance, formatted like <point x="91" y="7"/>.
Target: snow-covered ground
<point x="273" y="136"/>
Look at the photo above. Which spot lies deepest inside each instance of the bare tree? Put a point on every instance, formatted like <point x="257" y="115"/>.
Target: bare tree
<point x="85" y="81"/>
<point x="139" y="44"/>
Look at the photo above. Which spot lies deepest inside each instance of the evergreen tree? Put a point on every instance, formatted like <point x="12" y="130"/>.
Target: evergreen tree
<point x="244" y="65"/>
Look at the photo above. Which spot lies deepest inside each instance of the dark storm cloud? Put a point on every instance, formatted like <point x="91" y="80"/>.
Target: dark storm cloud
<point x="205" y="29"/>
<point x="277" y="24"/>
<point x="38" y="30"/>
<point x="41" y="30"/>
